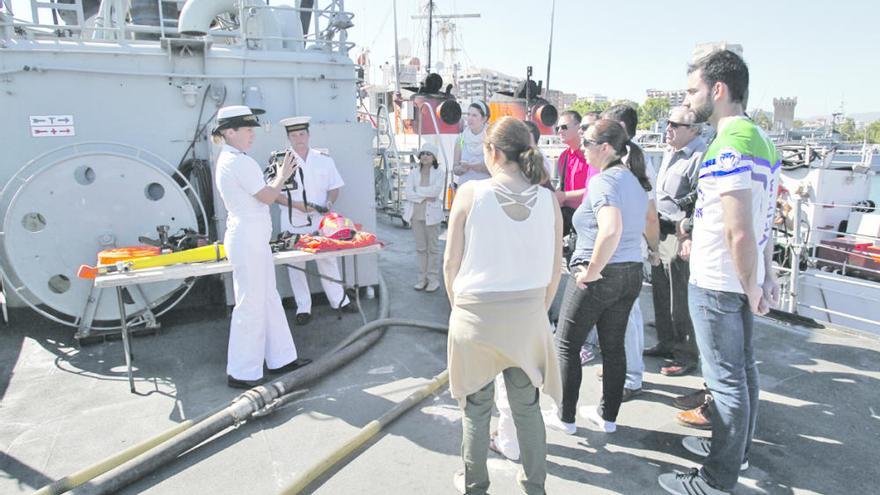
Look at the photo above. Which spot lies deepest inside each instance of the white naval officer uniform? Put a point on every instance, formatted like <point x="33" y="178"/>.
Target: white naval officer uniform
<point x="320" y="176"/>
<point x="259" y="329"/>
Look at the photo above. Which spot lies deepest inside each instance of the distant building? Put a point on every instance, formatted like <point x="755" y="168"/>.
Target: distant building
<point x="595" y="98"/>
<point x="480" y="84"/>
<point x="783" y="114"/>
<point x="410" y="71"/>
<point x="675" y="97"/>
<point x="561" y="100"/>
<point x="703" y="49"/>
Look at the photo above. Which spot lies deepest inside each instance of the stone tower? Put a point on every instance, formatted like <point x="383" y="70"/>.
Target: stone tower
<point x="703" y="49"/>
<point x="783" y="113"/>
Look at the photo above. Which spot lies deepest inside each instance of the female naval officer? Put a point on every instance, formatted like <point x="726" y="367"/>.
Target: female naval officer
<point x="259" y="330"/>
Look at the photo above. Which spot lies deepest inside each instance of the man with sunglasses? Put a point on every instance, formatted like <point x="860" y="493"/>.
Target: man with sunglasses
<point x="572" y="167"/>
<point x="676" y="180"/>
<point x="589" y="119"/>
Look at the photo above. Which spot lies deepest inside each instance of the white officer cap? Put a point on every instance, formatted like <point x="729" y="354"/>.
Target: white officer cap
<point x="234" y="116"/>
<point x="296" y="123"/>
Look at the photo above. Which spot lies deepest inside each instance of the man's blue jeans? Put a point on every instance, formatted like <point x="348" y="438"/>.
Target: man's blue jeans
<point x="723" y="325"/>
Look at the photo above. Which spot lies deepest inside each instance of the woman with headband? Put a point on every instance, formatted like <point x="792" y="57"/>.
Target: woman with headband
<point x="468" y="163"/>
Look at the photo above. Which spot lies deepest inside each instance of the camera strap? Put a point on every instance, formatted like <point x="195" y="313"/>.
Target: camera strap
<point x="289" y="206"/>
<point x="305" y="198"/>
<point x="302" y="181"/>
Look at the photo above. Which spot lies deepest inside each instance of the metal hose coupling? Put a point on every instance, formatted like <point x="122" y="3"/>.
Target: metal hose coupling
<point x="246" y="404"/>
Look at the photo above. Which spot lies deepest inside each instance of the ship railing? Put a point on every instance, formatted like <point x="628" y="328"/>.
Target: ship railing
<point x="328" y="31"/>
<point x="448" y="175"/>
<point x="389" y="197"/>
<point x="802" y="253"/>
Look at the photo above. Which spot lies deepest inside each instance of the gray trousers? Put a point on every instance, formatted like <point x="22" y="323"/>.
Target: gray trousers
<point x="669" y="283"/>
<point x="525" y="405"/>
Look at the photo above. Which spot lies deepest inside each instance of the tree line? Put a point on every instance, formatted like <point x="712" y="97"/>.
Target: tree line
<point x="650" y="112"/>
<point x="654" y="110"/>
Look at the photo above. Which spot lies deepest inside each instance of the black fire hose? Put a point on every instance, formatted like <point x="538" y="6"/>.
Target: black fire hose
<point x="121" y="470"/>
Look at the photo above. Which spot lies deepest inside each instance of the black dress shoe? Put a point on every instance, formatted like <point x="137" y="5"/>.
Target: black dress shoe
<point x="293" y="365"/>
<point x="349" y="308"/>
<point x="244" y="384"/>
<point x="657" y="351"/>
<point x="303" y="318"/>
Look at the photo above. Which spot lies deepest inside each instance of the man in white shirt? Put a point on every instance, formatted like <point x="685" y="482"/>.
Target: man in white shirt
<point x="317" y="188"/>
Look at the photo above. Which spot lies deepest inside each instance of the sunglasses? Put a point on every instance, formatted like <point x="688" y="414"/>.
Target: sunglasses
<point x="562" y="127"/>
<point x="584" y="127"/>
<point x="590" y="142"/>
<point x="676" y="125"/>
<point x="424" y="153"/>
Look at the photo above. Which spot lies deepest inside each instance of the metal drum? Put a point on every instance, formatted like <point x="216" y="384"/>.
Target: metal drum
<point x="68" y="204"/>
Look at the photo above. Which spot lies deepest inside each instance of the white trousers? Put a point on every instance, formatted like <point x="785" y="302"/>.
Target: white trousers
<point x="634" y="345"/>
<point x="506" y="439"/>
<point x="259" y="331"/>
<point x="327" y="267"/>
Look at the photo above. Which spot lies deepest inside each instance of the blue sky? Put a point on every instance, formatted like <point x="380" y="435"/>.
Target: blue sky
<point x="824" y="53"/>
<point x="821" y="52"/>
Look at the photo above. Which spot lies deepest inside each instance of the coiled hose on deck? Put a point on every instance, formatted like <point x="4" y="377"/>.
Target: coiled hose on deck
<point x="120" y="470"/>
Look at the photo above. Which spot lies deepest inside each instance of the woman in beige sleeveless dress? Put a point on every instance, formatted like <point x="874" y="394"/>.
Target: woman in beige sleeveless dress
<point x="502" y="266"/>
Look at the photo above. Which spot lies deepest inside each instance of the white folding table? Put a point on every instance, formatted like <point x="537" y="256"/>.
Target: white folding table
<point x="183" y="271"/>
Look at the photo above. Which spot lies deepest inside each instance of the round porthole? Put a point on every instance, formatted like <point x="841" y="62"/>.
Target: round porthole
<point x="155" y="191"/>
<point x="59" y="284"/>
<point x="33" y="222"/>
<point x="84" y="175"/>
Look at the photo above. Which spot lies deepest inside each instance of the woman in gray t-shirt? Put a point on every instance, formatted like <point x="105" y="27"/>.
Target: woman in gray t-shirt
<point x="606" y="271"/>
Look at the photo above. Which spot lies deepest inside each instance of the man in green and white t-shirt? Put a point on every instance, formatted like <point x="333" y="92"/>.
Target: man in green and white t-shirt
<point x="731" y="275"/>
<point x="741" y="157"/>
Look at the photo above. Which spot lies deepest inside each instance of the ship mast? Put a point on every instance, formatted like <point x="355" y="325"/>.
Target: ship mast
<point x="550" y="49"/>
<point x="430" y="33"/>
<point x="446" y="29"/>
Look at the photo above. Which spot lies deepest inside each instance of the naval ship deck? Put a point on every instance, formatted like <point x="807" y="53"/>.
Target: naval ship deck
<point x="63" y="408"/>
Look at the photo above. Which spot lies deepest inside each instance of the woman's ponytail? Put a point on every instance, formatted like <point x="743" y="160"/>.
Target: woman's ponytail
<point x="531" y="163"/>
<point x="635" y="160"/>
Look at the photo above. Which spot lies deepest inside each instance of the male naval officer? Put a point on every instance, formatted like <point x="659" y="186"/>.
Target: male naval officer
<point x="317" y="184"/>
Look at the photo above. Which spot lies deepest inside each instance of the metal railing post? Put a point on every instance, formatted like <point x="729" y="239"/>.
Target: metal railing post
<point x="795" y="247"/>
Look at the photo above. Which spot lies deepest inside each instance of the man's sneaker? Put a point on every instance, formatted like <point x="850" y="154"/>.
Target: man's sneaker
<point x="687" y="483"/>
<point x="701" y="446"/>
<point x="587" y="355"/>
<point x="551" y="419"/>
<point x="591" y="414"/>
<point x="691" y="401"/>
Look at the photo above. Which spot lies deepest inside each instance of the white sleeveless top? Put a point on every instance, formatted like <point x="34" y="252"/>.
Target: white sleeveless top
<point x="502" y="254"/>
<point x="471" y="151"/>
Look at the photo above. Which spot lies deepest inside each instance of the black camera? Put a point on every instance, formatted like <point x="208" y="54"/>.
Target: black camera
<point x="276" y="158"/>
<point x="686" y="204"/>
